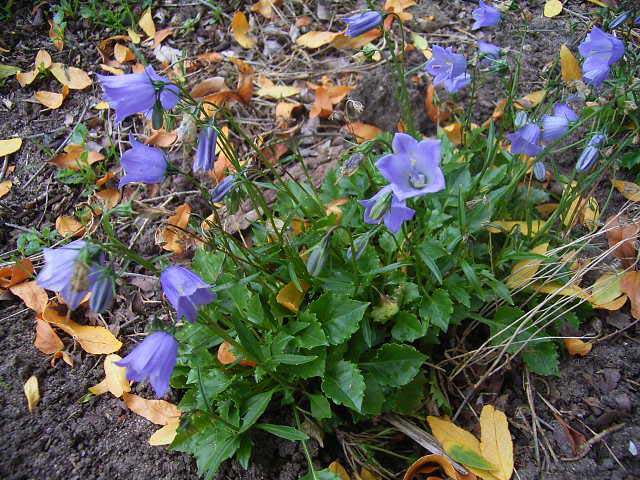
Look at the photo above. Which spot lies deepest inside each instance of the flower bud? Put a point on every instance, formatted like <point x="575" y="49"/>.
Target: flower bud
<point x="383" y="203"/>
<point x="587" y="158"/>
<point x="540" y="171"/>
<point x="101" y="293"/>
<point x="521" y="119"/>
<point x="319" y="256"/>
<point x="157" y="118"/>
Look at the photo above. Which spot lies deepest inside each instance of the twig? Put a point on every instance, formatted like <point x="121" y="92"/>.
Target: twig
<point x="593" y="440"/>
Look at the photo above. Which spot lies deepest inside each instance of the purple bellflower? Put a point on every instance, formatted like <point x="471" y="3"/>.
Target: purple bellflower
<point x="66" y="273"/>
<point x="540" y="171"/>
<point x="186" y="291"/>
<point x="143" y="163"/>
<point x="526" y="140"/>
<point x="414" y="168"/>
<point x="600" y="50"/>
<point x="221" y="190"/>
<point x="206" y="153"/>
<point x="485" y="16"/>
<point x="448" y="68"/>
<point x="556" y="125"/>
<point x="362" y="23"/>
<point x="154" y="358"/>
<point x="591" y="153"/>
<point x="385" y="206"/>
<point x="489" y="50"/>
<point x="138" y="92"/>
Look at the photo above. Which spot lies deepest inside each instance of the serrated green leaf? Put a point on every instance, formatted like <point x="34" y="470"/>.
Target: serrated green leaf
<point x="314" y="368"/>
<point x="339" y="315"/>
<point x="312" y="334"/>
<point x="407" y="327"/>
<point x="343" y="383"/>
<point x="437" y="309"/>
<point x="409" y="398"/>
<point x="469" y="458"/>
<point x="208" y="265"/>
<point x="283" y="431"/>
<point x="256" y="405"/>
<point x="542" y="358"/>
<point x="321" y="475"/>
<point x="373" y="396"/>
<point x="320" y="407"/>
<point x="395" y="364"/>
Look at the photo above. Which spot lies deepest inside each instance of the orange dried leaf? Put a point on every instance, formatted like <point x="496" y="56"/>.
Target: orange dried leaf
<point x="245" y="80"/>
<point x="66" y="358"/>
<point x="173" y="235"/>
<point x="68" y="226"/>
<point x="575" y="346"/>
<point x="208" y="86"/>
<point x="226" y="356"/>
<point x="32" y="392"/>
<point x="26" y="78"/>
<point x="161" y="35"/>
<point x="72" y="157"/>
<point x="316" y="39"/>
<point x="33" y="295"/>
<point x="5" y="187"/>
<point x="156" y="411"/>
<point x="71" y="77"/>
<point x="123" y="54"/>
<point x="146" y="23"/>
<point x="339" y="470"/>
<point x="211" y="57"/>
<point x="437" y="113"/>
<point x="49" y="99"/>
<point x="161" y="138"/>
<point x="454" y="132"/>
<point x="290" y="297"/>
<point x="47" y="340"/>
<point x="322" y="106"/>
<point x="629" y="190"/>
<point x="425" y="464"/>
<point x="265" y="7"/>
<point x="104" y="179"/>
<point x="531" y="100"/>
<point x="630" y="284"/>
<point x="115" y="380"/>
<point x="284" y="110"/>
<point x="16" y="273"/>
<point x="110" y="69"/>
<point x="43" y="60"/>
<point x="569" y="66"/>
<point x="353" y="43"/>
<point x="362" y="131"/>
<point x="303" y="21"/>
<point x="239" y="30"/>
<point x="55" y="33"/>
<point x="109" y="196"/>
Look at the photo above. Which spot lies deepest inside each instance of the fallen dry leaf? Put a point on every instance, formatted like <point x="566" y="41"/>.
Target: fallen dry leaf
<point x="42" y="61"/>
<point x="622" y="236"/>
<point x="47" y="340"/>
<point x="209" y="86"/>
<point x="109" y="196"/>
<point x="432" y="464"/>
<point x="606" y="289"/>
<point x="552" y="8"/>
<point x="630" y="284"/>
<point x="26" y="78"/>
<point x="68" y="226"/>
<point x="265" y="7"/>
<point x="97" y="340"/>
<point x="339" y="470"/>
<point x="454" y="132"/>
<point x="278" y="91"/>
<point x="245" y="79"/>
<point x="72" y="157"/>
<point x="569" y="66"/>
<point x="16" y="273"/>
<point x="161" y="35"/>
<point x="496" y="444"/>
<point x="66" y="358"/>
<point x="115" y="380"/>
<point x="239" y="30"/>
<point x="72" y="77"/>
<point x="284" y="110"/>
<point x="523" y="272"/>
<point x="34" y="296"/>
<point x="32" y="392"/>
<point x="146" y="23"/>
<point x="316" y="39"/>
<point x="9" y="146"/>
<point x="510" y="226"/>
<point x="123" y="54"/>
<point x="531" y="100"/>
<point x="5" y="187"/>
<point x="161" y="138"/>
<point x="173" y="236"/>
<point x="165" y="434"/>
<point x="575" y="346"/>
<point x="51" y="100"/>
<point x="135" y="37"/>
<point x="437" y="112"/>
<point x="353" y="43"/>
<point x="56" y="34"/>
<point x="582" y="211"/>
<point x="290" y="297"/>
<point x="555" y="288"/>
<point x="629" y="190"/>
<point x="159" y="412"/>
<point x="110" y="69"/>
<point x="362" y="131"/>
<point x="398" y="7"/>
<point x="226" y="356"/>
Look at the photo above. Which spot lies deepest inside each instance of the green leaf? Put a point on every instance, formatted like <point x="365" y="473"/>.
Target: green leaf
<point x="343" y="383"/>
<point x="208" y="265"/>
<point x="374" y="397"/>
<point x="283" y="431"/>
<point x="208" y="384"/>
<point x="314" y="368"/>
<point x="406" y="400"/>
<point x="542" y="358"/>
<point x="339" y="315"/>
<point x="395" y="365"/>
<point x="320" y="407"/>
<point x="224" y="449"/>
<point x="428" y="252"/>
<point x="256" y="406"/>
<point x="321" y="475"/>
<point x="437" y="309"/>
<point x="243" y="455"/>
<point x="7" y="71"/>
<point x="469" y="458"/>
<point x="312" y="334"/>
<point x="292" y="359"/>
<point x="407" y="327"/>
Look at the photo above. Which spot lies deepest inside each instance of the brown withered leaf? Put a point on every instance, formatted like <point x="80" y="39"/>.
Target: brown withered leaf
<point x="245" y="79"/>
<point x="72" y="157"/>
<point x="290" y="297"/>
<point x="16" y="273"/>
<point x="123" y="54"/>
<point x="353" y="43"/>
<point x="159" y="412"/>
<point x="33" y="295"/>
<point x="630" y="284"/>
<point x="575" y="346"/>
<point x="576" y="439"/>
<point x="42" y="61"/>
<point x="109" y="196"/>
<point x="51" y="100"/>
<point x="226" y="356"/>
<point x="173" y="236"/>
<point x="434" y="464"/>
<point x="72" y="77"/>
<point x="629" y="190"/>
<point x="47" y="340"/>
<point x="161" y="35"/>
<point x="161" y="138"/>
<point x="69" y="226"/>
<point x="437" y="113"/>
<point x="316" y="39"/>
<point x="66" y="358"/>
<point x="56" y="34"/>
<point x="208" y="86"/>
<point x="622" y="236"/>
<point x="362" y="131"/>
<point x="265" y="7"/>
<point x="398" y="7"/>
<point x="284" y="110"/>
<point x="32" y="392"/>
<point x="240" y="30"/>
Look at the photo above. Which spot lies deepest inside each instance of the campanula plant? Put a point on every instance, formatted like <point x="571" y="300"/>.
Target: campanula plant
<point x="143" y="163"/>
<point x="485" y="16"/>
<point x="362" y="23"/>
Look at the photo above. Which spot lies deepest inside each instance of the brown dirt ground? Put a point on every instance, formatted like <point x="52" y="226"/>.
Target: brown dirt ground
<point x="68" y="439"/>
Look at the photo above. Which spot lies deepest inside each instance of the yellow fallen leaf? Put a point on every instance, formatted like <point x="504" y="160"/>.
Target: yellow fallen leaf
<point x="414" y="472"/>
<point x="290" y="297"/>
<point x="546" y="209"/>
<point x="109" y="196"/>
<point x="101" y="106"/>
<point x="240" y="28"/>
<point x="339" y="470"/>
<point x="509" y="226"/>
<point x="278" y="91"/>
<point x="629" y="190"/>
<point x="7" y="147"/>
<point x="72" y="157"/>
<point x="362" y="131"/>
<point x="33" y="295"/>
<point x="26" y="78"/>
<point x="72" y="77"/>
<point x="165" y="434"/>
<point x="66" y="358"/>
<point x="56" y="34"/>
<point x="606" y="289"/>
<point x="284" y="110"/>
<point x="173" y="237"/>
<point x="454" y="132"/>
<point x="68" y="226"/>
<point x="316" y="39"/>
<point x="42" y="61"/>
<point x="525" y="270"/>
<point x="496" y="444"/>
<point x="110" y="69"/>
<point x="616" y="304"/>
<point x="5" y="187"/>
<point x="582" y="211"/>
<point x="135" y="37"/>
<point x="569" y="66"/>
<point x="599" y="3"/>
<point x="159" y="412"/>
<point x="115" y="380"/>
<point x="531" y="100"/>
<point x="554" y="288"/>
<point x="353" y="43"/>
<point x="575" y="346"/>
<point x="552" y="8"/>
<point x="265" y="7"/>
<point x="16" y="273"/>
<point x="123" y="54"/>
<point x="47" y="340"/>
<point x="32" y="392"/>
<point x="146" y="23"/>
<point x="49" y="99"/>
